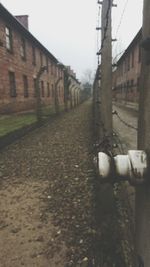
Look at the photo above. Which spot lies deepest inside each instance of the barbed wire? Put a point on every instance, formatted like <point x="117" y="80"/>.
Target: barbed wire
<point x="119" y="142"/>
<point x="120" y="53"/>
<point x="106" y="26"/>
<point x="98" y="35"/>
<point x="123" y="121"/>
<point x="121" y="18"/>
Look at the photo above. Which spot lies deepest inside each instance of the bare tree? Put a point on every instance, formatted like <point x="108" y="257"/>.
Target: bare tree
<point x="87" y="77"/>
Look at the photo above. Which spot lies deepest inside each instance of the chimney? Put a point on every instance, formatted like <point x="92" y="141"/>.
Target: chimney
<point x="23" y="19"/>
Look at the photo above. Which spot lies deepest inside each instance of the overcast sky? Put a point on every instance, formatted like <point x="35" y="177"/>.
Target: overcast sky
<point x="67" y="27"/>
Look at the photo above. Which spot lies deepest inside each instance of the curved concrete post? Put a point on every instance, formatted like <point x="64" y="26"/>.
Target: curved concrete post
<point x="56" y="96"/>
<point x="38" y="95"/>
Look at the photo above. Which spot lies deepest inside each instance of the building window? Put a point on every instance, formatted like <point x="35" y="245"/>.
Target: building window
<point x="52" y="90"/>
<point x="128" y="83"/>
<point x="42" y="88"/>
<point x="12" y="83"/>
<point x="9" y="44"/>
<point x="51" y="68"/>
<point x="132" y="58"/>
<point x="57" y="72"/>
<point x="47" y="63"/>
<point x="138" y="84"/>
<point x="132" y="85"/>
<point x="41" y="59"/>
<point x="34" y="86"/>
<point x="139" y="55"/>
<point x="33" y="56"/>
<point x="128" y="63"/>
<point x="48" y="90"/>
<point x="124" y="66"/>
<point x="25" y="85"/>
<point x="59" y="92"/>
<point x="23" y="49"/>
<point x="121" y="71"/>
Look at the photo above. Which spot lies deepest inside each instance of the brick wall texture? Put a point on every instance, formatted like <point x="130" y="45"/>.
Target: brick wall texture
<point x="13" y="62"/>
<point x="126" y="77"/>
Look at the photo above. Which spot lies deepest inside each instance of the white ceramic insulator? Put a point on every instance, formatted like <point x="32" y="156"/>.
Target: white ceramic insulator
<point x="132" y="167"/>
<point x="104" y="165"/>
<point x="139" y="165"/>
<point x="123" y="166"/>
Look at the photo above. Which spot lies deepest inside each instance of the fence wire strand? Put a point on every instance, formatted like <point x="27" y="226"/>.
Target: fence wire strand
<point x="124" y="122"/>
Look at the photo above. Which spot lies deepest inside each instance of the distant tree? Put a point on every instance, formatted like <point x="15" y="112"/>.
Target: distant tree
<point x="87" y="77"/>
<point x="86" y="91"/>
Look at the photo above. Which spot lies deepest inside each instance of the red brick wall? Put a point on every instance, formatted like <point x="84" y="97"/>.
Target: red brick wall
<point x="13" y="62"/>
<point x="124" y="75"/>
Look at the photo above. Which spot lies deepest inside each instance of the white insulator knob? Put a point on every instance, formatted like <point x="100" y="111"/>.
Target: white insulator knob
<point x="139" y="166"/>
<point x="104" y="165"/>
<point x="123" y="166"/>
<point x="132" y="167"/>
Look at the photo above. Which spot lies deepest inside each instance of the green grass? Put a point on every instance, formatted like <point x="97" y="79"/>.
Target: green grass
<point x="13" y="122"/>
<point x="10" y="123"/>
<point x="48" y="110"/>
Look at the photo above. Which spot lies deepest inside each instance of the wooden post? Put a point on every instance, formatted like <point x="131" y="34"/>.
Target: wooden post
<point x="143" y="192"/>
<point x="106" y="69"/>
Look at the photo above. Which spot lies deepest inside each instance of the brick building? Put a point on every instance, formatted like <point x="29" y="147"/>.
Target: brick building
<point x="127" y="74"/>
<point x="21" y="57"/>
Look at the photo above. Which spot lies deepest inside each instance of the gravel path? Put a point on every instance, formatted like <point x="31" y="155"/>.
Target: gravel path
<point x="46" y="193"/>
<point x="125" y="193"/>
<point x="127" y="134"/>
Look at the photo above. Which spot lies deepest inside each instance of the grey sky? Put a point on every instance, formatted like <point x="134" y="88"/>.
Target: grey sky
<point x="129" y="13"/>
<point x="67" y="27"/>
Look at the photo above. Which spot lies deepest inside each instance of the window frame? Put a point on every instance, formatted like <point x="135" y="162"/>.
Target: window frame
<point x="25" y="86"/>
<point x="34" y="86"/>
<point x="48" y="90"/>
<point x="47" y="65"/>
<point x="23" y="48"/>
<point x="41" y="58"/>
<point x="9" y="39"/>
<point x="42" y="89"/>
<point x="12" y="84"/>
<point x="33" y="55"/>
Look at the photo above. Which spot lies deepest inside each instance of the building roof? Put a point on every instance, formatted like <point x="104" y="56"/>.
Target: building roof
<point x="5" y="14"/>
<point x="137" y="38"/>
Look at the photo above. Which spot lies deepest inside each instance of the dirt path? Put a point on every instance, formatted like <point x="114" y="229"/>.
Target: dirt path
<point x="46" y="195"/>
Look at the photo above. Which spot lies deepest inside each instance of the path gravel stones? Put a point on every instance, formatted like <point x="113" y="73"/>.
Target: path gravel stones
<point x="46" y="193"/>
<point x="53" y="210"/>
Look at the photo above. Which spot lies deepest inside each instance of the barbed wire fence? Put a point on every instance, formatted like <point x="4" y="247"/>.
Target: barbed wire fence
<point x="123" y="121"/>
<point x="102" y="139"/>
<point x="111" y="144"/>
